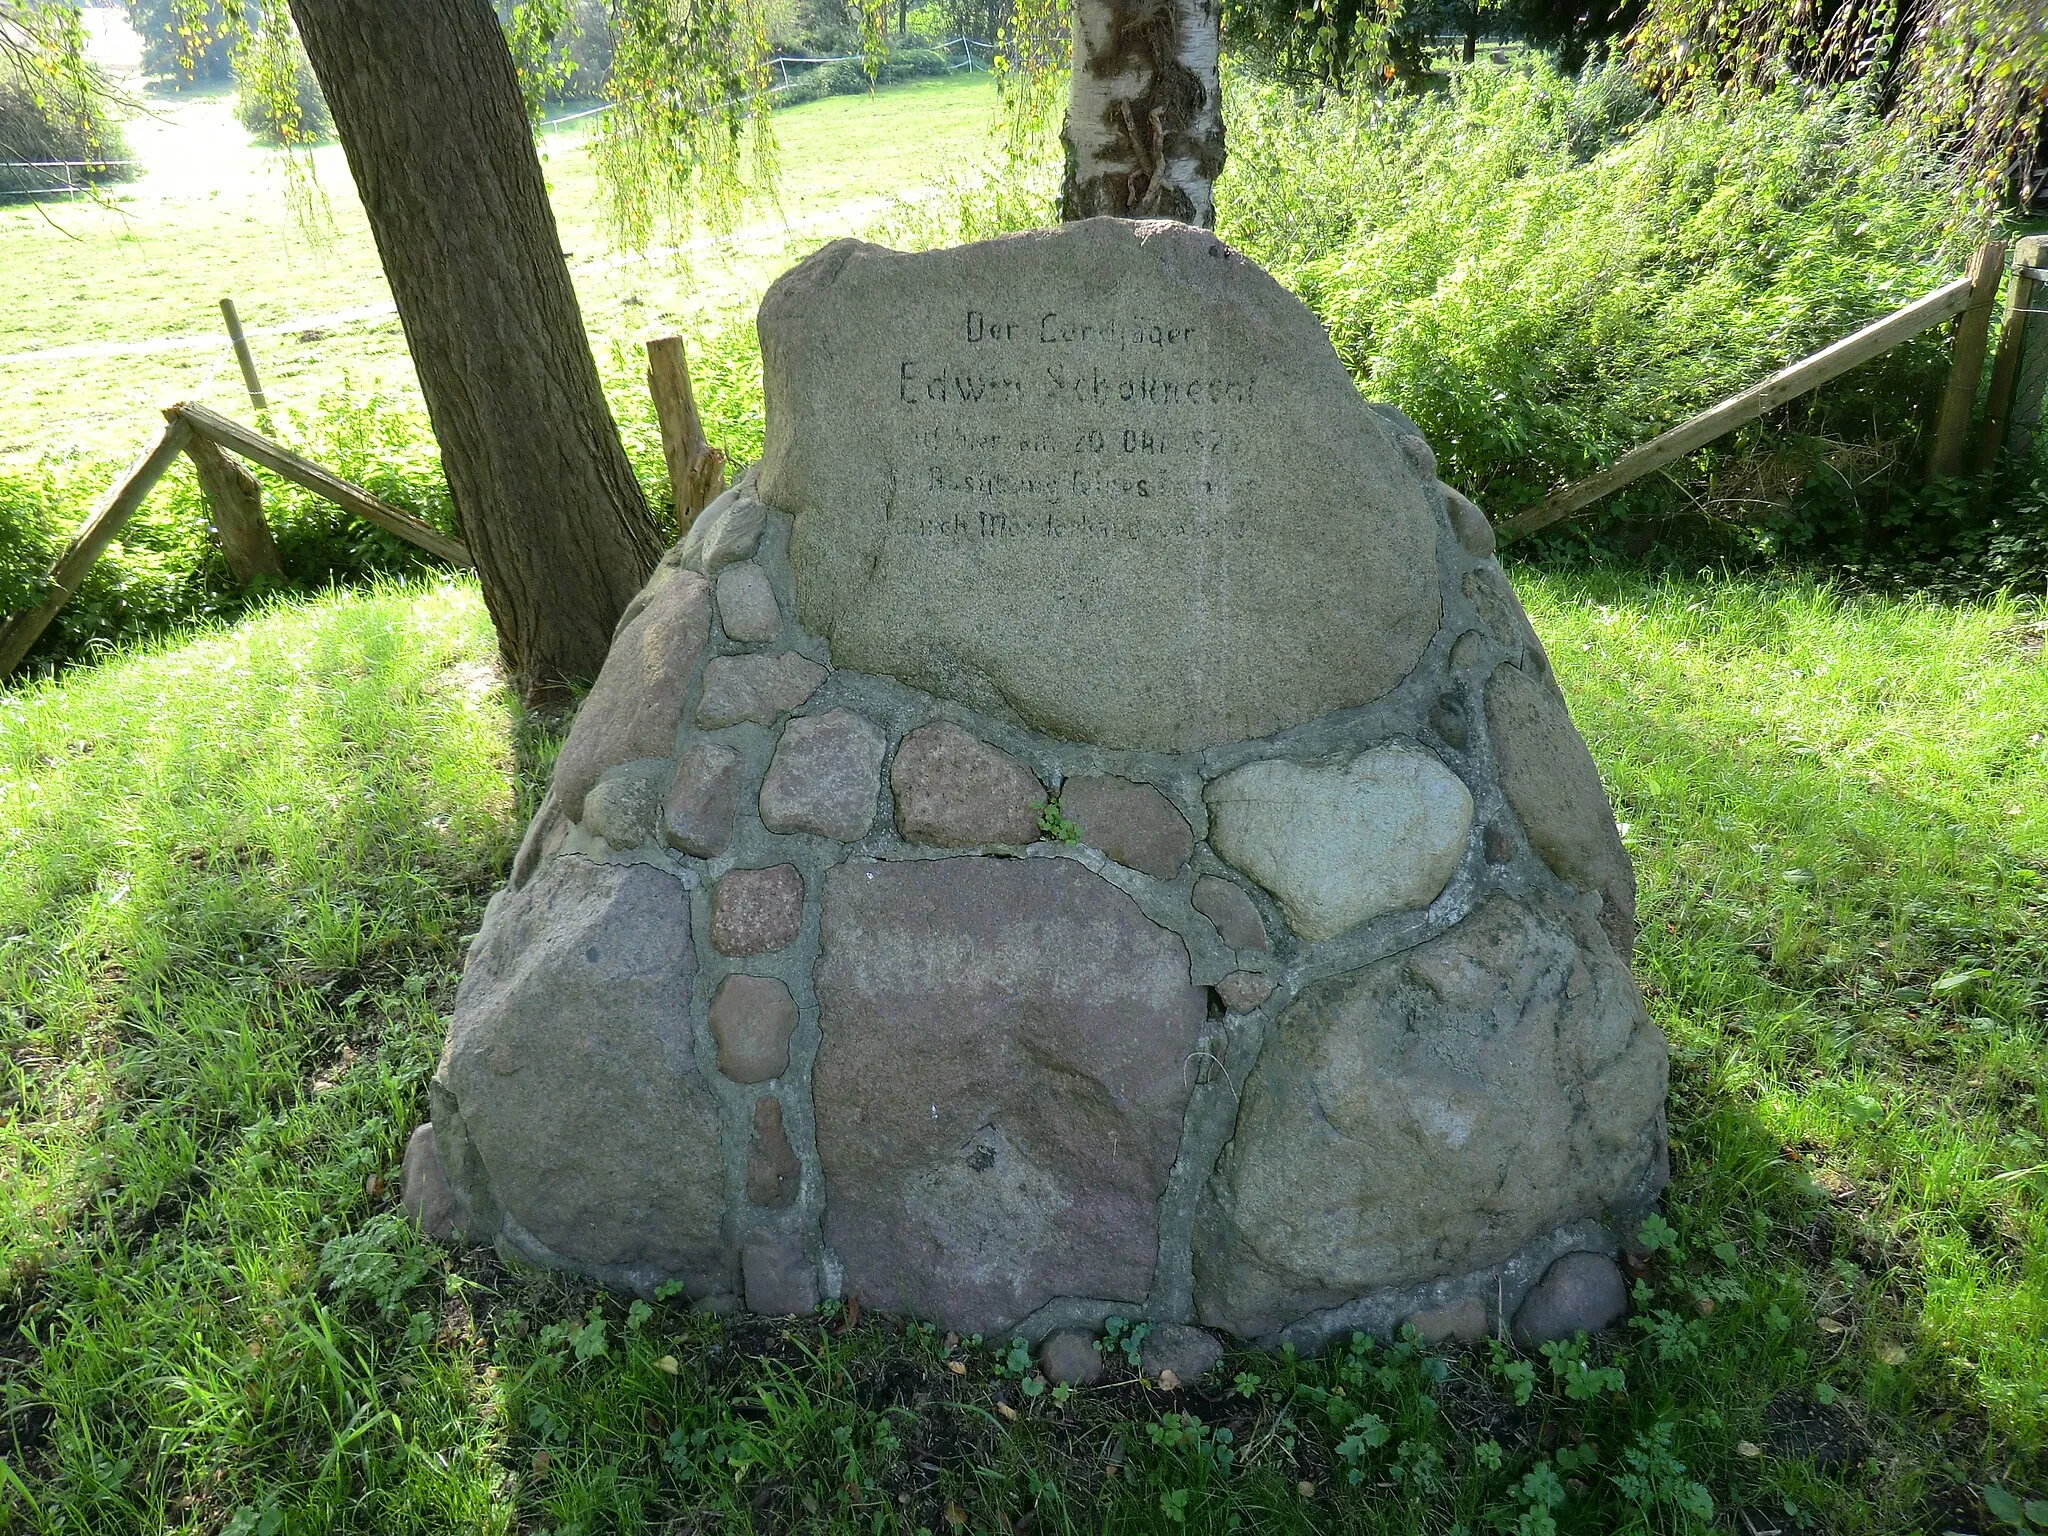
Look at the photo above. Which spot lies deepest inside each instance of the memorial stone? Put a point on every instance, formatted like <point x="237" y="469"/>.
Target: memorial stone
<point x="1083" y="828"/>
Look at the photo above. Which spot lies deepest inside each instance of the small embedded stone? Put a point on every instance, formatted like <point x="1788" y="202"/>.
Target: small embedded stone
<point x="746" y="603"/>
<point x="1474" y="531"/>
<point x="1242" y="991"/>
<point x="757" y="688"/>
<point x="772" y="1168"/>
<point x="1447" y="719"/>
<point x="754" y="911"/>
<point x="954" y="790"/>
<point x="1133" y="823"/>
<point x="1068" y="1357"/>
<point x="1465" y="650"/>
<point x="1235" y="915"/>
<point x="752" y="1018"/>
<point x="1457" y="1322"/>
<point x="723" y="532"/>
<point x="1340" y="844"/>
<point x="1500" y="848"/>
<point x="1187" y="1354"/>
<point x="637" y="703"/>
<point x="427" y="1195"/>
<point x="1580" y="1293"/>
<point x="621" y="808"/>
<point x="823" y="776"/>
<point x="702" y="800"/>
<point x="1419" y="454"/>
<point x="778" y="1275"/>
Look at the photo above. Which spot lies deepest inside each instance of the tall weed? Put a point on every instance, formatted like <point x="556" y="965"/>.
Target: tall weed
<point x="1544" y="271"/>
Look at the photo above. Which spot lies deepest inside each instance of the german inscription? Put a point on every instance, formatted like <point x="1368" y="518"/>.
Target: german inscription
<point x="1070" y="476"/>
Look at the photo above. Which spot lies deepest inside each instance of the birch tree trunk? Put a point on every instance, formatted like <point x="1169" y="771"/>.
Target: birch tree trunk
<point x="1144" y="129"/>
<point x="427" y="105"/>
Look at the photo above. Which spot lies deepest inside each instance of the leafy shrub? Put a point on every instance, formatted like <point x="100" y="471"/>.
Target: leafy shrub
<point x="377" y="1265"/>
<point x="1544" y="272"/>
<point x="166" y="569"/>
<point x="39" y="123"/>
<point x="846" y="77"/>
<point x="262" y="94"/>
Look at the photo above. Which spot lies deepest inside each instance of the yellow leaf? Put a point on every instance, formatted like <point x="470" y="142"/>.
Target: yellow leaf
<point x="1748" y="1450"/>
<point x="670" y="1364"/>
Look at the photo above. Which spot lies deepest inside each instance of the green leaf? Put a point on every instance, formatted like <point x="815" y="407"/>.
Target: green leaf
<point x="1955" y="981"/>
<point x="2004" y="1507"/>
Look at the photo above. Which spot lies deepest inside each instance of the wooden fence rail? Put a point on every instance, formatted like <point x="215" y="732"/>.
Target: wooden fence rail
<point x="1970" y="296"/>
<point x="234" y="500"/>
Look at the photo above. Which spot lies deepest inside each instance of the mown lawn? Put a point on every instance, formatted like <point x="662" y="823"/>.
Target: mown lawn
<point x="236" y="873"/>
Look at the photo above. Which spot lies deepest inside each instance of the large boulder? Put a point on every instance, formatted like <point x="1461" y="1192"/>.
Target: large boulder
<point x="569" y="1088"/>
<point x="1084" y="828"/>
<point x="1432" y="1113"/>
<point x="1000" y="1087"/>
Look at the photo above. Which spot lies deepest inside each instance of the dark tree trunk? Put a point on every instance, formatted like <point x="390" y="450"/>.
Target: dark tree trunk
<point x="427" y="105"/>
<point x="1144" y="129"/>
<point x="1472" y="39"/>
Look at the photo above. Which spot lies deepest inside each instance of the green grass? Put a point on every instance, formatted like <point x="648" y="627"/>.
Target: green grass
<point x="209" y="219"/>
<point x="235" y="873"/>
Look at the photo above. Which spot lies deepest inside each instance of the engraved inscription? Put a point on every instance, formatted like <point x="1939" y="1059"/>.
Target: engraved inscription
<point x="1055" y="425"/>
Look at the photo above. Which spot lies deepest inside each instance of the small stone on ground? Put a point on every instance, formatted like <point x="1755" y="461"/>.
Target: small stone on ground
<point x="1580" y="1293"/>
<point x="1068" y="1357"/>
<point x="1186" y="1353"/>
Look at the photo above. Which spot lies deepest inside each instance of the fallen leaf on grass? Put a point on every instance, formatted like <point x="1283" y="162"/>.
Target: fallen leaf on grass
<point x="1168" y="1381"/>
<point x="1007" y="1412"/>
<point x="1830" y="1325"/>
<point x="957" y="1367"/>
<point x="670" y="1364"/>
<point x="956" y="1517"/>
<point x="1305" y="1488"/>
<point x="540" y="1463"/>
<point x="1748" y="1450"/>
<point x="1893" y="1354"/>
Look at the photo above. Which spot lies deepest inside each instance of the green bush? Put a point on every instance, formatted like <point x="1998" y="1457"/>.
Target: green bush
<point x="165" y="569"/>
<point x="257" y="110"/>
<point x="1545" y="272"/>
<point x="847" y="77"/>
<point x="39" y="124"/>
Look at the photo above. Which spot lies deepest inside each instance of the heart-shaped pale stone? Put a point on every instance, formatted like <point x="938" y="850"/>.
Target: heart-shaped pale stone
<point x="1340" y="844"/>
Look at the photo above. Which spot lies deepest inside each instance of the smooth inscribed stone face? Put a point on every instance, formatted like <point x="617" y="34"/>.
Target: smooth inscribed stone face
<point x="1108" y="479"/>
<point x="1000" y="1084"/>
<point x="1339" y="845"/>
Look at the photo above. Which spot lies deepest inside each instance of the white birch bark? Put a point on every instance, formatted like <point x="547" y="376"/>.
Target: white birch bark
<point x="1144" y="128"/>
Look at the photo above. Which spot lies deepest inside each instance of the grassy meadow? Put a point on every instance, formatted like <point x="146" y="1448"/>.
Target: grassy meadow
<point x="237" y="870"/>
<point x="112" y="307"/>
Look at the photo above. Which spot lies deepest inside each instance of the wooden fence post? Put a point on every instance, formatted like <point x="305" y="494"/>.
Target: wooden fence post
<point x="2013" y="407"/>
<point x="21" y="631"/>
<point x="247" y="359"/>
<point x="696" y="470"/>
<point x="235" y="502"/>
<point x="1966" y="370"/>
